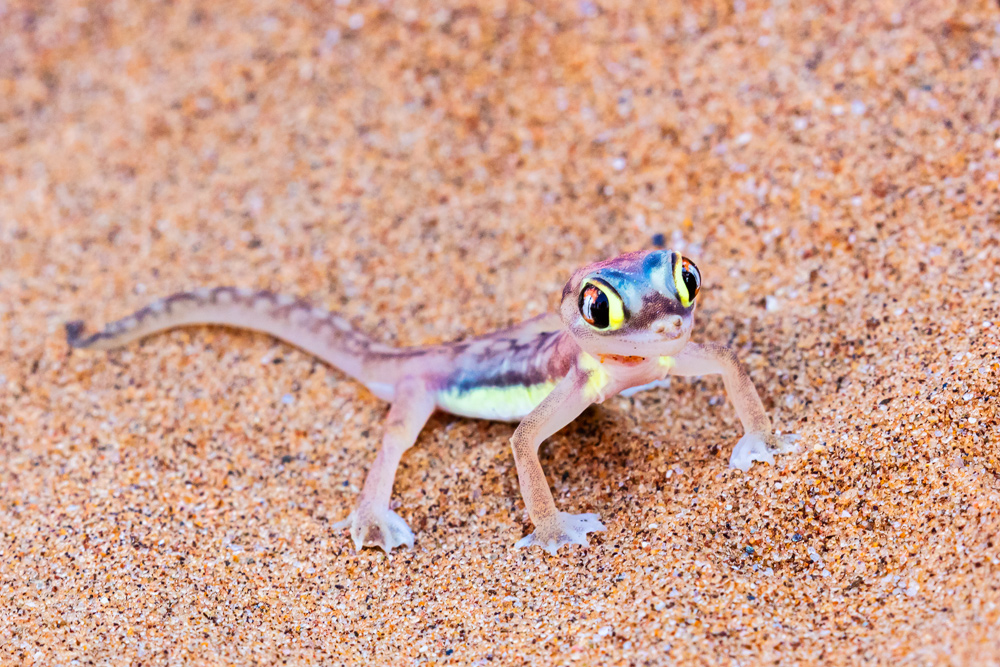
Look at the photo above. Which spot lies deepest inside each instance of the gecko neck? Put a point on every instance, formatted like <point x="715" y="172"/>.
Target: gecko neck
<point x="609" y="374"/>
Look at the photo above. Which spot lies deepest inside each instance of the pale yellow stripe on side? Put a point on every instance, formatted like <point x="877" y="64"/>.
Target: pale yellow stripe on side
<point x="500" y="403"/>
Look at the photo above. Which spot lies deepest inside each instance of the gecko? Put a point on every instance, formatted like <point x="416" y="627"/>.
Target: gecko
<point x="622" y="323"/>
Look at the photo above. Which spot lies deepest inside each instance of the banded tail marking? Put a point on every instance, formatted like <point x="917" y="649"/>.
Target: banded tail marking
<point x="315" y="330"/>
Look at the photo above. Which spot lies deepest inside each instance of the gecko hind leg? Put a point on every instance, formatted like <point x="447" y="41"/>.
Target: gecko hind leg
<point x="372" y="523"/>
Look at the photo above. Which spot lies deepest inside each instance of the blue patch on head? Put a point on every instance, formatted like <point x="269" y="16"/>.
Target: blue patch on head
<point x="627" y="285"/>
<point x="652" y="260"/>
<point x="614" y="277"/>
<point x="658" y="268"/>
<point x="657" y="260"/>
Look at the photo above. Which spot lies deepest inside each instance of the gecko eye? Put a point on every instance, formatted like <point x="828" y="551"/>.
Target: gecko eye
<point x="687" y="281"/>
<point x="600" y="306"/>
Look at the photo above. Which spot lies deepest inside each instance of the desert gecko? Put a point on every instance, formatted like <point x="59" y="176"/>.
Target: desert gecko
<point x="622" y="323"/>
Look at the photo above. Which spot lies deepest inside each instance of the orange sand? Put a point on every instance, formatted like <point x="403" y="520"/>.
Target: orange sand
<point x="434" y="170"/>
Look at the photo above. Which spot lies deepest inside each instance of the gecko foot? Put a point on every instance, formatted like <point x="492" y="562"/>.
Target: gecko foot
<point x="376" y="528"/>
<point x="563" y="528"/>
<point x="761" y="447"/>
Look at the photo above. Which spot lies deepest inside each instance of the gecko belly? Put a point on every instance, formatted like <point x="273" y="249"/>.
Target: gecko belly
<point x="503" y="403"/>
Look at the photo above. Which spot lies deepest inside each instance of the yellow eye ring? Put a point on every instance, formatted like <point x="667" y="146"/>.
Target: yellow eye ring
<point x="687" y="280"/>
<point x="600" y="306"/>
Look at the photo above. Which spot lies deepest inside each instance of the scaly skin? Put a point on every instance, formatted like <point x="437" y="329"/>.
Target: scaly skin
<point x="622" y="323"/>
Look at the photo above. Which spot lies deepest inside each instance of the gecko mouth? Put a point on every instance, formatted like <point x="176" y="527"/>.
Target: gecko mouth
<point x="626" y="360"/>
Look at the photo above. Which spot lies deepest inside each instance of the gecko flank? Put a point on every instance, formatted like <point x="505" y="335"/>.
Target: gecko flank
<point x="622" y="323"/>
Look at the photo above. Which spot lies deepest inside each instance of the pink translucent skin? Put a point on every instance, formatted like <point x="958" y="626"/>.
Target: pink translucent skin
<point x="585" y="366"/>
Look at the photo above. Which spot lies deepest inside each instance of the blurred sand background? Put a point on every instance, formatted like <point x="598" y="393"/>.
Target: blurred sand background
<point x="436" y="169"/>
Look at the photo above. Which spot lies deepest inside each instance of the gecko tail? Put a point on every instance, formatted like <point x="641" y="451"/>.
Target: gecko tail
<point x="324" y="334"/>
<point x="108" y="339"/>
<point x="74" y="334"/>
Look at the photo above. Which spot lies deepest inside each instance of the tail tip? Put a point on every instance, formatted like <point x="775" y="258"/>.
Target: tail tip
<point x="74" y="333"/>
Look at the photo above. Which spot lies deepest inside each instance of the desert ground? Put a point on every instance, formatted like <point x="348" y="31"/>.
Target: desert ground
<point x="437" y="170"/>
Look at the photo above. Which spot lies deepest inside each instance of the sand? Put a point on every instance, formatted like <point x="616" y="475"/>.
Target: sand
<point x="432" y="171"/>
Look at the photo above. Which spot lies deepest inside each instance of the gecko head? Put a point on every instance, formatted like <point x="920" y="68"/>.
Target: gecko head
<point x="637" y="304"/>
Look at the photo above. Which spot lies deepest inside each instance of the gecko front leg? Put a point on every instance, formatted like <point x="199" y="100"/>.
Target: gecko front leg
<point x="553" y="528"/>
<point x="758" y="442"/>
<point x="372" y="523"/>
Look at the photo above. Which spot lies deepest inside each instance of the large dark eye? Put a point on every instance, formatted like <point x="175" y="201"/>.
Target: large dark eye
<point x="594" y="307"/>
<point x="600" y="305"/>
<point x="687" y="280"/>
<point x="691" y="277"/>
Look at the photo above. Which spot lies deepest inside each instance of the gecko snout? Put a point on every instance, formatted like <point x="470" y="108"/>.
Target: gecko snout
<point x="668" y="326"/>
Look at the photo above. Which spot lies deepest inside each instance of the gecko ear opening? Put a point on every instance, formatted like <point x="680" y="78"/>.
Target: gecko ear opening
<point x="600" y="306"/>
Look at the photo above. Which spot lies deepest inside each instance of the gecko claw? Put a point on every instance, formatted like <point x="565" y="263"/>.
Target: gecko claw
<point x="761" y="447"/>
<point x="563" y="528"/>
<point x="383" y="529"/>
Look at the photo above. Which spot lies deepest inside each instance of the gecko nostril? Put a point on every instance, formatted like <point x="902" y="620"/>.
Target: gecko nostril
<point x="668" y="325"/>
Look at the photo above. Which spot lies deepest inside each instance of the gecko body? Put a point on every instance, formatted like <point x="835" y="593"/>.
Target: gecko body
<point x="622" y="323"/>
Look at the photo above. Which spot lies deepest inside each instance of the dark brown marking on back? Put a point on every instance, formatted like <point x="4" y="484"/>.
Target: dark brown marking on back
<point x="508" y="361"/>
